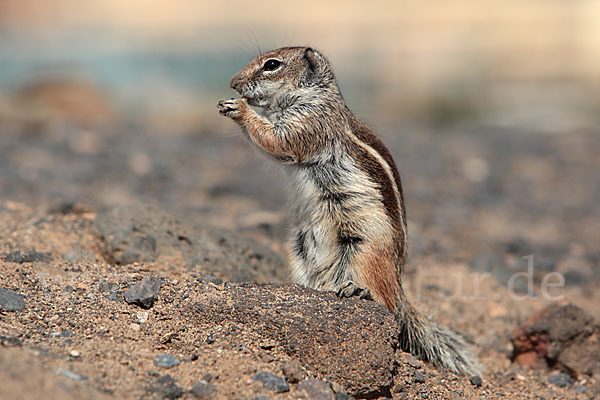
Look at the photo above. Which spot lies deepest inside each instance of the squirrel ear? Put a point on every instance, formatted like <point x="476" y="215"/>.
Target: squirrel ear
<point x="311" y="59"/>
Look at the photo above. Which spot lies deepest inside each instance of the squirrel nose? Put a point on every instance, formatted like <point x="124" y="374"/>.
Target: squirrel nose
<point x="236" y="82"/>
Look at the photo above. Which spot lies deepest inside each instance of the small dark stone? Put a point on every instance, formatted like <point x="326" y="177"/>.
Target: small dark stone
<point x="210" y="339"/>
<point x="292" y="346"/>
<point x="144" y="293"/>
<point x="166" y="388"/>
<point x="561" y="380"/>
<point x="11" y="301"/>
<point x="419" y="377"/>
<point x="203" y="390"/>
<point x="10" y="341"/>
<point x="273" y="382"/>
<point x="165" y="361"/>
<point x="476" y="381"/>
<point x="28" y="256"/>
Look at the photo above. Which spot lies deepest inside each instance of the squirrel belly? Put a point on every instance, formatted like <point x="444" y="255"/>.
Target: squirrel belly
<point x="348" y="219"/>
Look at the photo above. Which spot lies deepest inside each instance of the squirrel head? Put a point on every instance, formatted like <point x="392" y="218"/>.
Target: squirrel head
<point x="283" y="76"/>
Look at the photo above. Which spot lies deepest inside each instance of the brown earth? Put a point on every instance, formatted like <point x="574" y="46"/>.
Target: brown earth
<point x="77" y="233"/>
<point x="78" y="338"/>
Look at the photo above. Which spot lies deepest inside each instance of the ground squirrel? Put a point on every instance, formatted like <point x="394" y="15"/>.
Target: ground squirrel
<point x="348" y="231"/>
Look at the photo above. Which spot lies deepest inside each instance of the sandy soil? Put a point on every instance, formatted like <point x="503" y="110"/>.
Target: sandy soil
<point x="88" y="214"/>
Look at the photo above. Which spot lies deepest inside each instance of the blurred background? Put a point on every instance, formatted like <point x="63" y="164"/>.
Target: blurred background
<point x="491" y="109"/>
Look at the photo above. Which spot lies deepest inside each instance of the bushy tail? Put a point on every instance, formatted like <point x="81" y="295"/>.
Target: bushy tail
<point x="436" y="344"/>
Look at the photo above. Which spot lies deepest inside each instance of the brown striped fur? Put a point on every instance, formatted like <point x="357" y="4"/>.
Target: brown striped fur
<point x="349" y="230"/>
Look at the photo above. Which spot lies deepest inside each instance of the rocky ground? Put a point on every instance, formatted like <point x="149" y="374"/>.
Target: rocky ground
<point x="145" y="261"/>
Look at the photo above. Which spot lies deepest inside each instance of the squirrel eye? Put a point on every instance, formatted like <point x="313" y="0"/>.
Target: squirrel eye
<point x="271" y="65"/>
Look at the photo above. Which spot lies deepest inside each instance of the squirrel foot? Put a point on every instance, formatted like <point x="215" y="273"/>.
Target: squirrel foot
<point x="351" y="289"/>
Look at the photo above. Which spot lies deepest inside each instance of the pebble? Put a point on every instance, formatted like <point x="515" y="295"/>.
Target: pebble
<point x="11" y="301"/>
<point x="10" y="341"/>
<point x="166" y="388"/>
<point x="71" y="375"/>
<point x="292" y="370"/>
<point x="28" y="256"/>
<point x="203" y="390"/>
<point x="105" y="286"/>
<point x="115" y="296"/>
<point x="561" y="380"/>
<point x="316" y="389"/>
<point x="167" y="337"/>
<point x="142" y="316"/>
<point x="419" y="377"/>
<point x="580" y="389"/>
<point x="476" y="381"/>
<point x="144" y="293"/>
<point x="165" y="361"/>
<point x="272" y="382"/>
<point x="75" y="353"/>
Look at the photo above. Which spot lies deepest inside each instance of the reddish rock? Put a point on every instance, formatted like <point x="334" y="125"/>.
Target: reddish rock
<point x="559" y="336"/>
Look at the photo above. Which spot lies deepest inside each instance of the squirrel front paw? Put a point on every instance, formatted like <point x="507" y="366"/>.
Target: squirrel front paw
<point x="232" y="108"/>
<point x="351" y="289"/>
